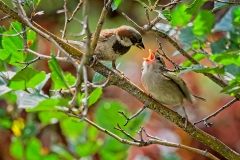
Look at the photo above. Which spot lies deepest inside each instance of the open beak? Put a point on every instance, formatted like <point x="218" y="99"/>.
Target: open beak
<point x="140" y="45"/>
<point x="151" y="56"/>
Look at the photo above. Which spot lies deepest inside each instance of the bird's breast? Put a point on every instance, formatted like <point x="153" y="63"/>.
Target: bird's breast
<point x="118" y="48"/>
<point x="110" y="50"/>
<point x="162" y="88"/>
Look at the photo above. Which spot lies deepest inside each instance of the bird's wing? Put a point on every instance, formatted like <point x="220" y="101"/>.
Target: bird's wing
<point x="104" y="35"/>
<point x="78" y="44"/>
<point x="182" y="86"/>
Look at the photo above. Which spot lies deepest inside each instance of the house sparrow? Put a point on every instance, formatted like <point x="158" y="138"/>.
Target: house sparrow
<point x="165" y="87"/>
<point x="113" y="43"/>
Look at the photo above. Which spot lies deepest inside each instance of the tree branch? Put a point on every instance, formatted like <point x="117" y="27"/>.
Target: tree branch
<point x="193" y="131"/>
<point x="204" y="120"/>
<point x="142" y="143"/>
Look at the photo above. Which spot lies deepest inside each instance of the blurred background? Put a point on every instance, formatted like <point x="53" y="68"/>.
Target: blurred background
<point x="226" y="123"/>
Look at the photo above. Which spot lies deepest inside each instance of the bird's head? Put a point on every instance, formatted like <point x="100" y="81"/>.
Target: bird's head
<point x="154" y="60"/>
<point x="129" y="36"/>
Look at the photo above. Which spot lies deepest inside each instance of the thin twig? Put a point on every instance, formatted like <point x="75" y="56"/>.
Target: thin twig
<point x="127" y="134"/>
<point x="101" y="20"/>
<point x="29" y="62"/>
<point x="147" y="15"/>
<point x="133" y="116"/>
<point x="150" y="136"/>
<point x="16" y="34"/>
<point x="177" y="67"/>
<point x="141" y="143"/>
<point x="169" y="4"/>
<point x="42" y="33"/>
<point x="65" y="24"/>
<point x="85" y="80"/>
<point x="44" y="57"/>
<point x="204" y="120"/>
<point x="5" y="17"/>
<point x="75" y="11"/>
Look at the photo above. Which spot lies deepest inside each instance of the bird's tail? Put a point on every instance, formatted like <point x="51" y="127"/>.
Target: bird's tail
<point x="78" y="44"/>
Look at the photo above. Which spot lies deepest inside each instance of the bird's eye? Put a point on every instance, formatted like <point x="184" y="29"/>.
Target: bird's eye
<point x="158" y="58"/>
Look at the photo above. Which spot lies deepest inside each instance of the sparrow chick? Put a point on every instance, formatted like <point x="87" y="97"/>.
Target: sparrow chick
<point x="113" y="43"/>
<point x="164" y="86"/>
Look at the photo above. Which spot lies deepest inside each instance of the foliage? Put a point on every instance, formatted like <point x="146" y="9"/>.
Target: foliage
<point x="23" y="87"/>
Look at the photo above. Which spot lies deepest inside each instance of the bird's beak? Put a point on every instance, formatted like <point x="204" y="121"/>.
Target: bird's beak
<point x="151" y="56"/>
<point x="140" y="45"/>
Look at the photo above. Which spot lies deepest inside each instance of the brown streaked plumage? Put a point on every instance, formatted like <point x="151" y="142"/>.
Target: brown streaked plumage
<point x="113" y="43"/>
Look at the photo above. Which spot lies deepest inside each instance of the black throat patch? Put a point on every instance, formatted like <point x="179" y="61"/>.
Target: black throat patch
<point x="119" y="48"/>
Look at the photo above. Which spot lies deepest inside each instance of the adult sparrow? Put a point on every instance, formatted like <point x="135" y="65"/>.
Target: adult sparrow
<point x="113" y="43"/>
<point x="165" y="87"/>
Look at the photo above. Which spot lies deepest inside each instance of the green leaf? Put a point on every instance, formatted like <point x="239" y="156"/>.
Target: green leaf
<point x="29" y="130"/>
<point x="27" y="78"/>
<point x="50" y="157"/>
<point x="107" y="116"/>
<point x="226" y="58"/>
<point x="72" y="127"/>
<point x="112" y="148"/>
<point x="49" y="104"/>
<point x="60" y="151"/>
<point x="233" y="89"/>
<point x="98" y="77"/>
<point x="38" y="88"/>
<point x="5" y="121"/>
<point x="197" y="56"/>
<point x="16" y="148"/>
<point x="164" y="14"/>
<point x="31" y="36"/>
<point x="187" y="36"/>
<point x="225" y="24"/>
<point x="4" y="79"/>
<point x="10" y="44"/>
<point x="92" y="133"/>
<point x="179" y="16"/>
<point x="219" y="5"/>
<point x="94" y="96"/>
<point x="49" y="117"/>
<point x="88" y="148"/>
<point x="236" y="20"/>
<point x="57" y="74"/>
<point x="232" y="69"/>
<point x="194" y="6"/>
<point x="2" y="30"/>
<point x="116" y="4"/>
<point x="234" y="46"/>
<point x="10" y="97"/>
<point x="219" y="46"/>
<point x="203" y="25"/>
<point x="27" y="100"/>
<point x="33" y="149"/>
<point x="70" y="79"/>
<point x="203" y="69"/>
